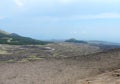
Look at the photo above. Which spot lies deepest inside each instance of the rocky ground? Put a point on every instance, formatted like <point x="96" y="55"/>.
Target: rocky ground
<point x="105" y="78"/>
<point x="58" y="64"/>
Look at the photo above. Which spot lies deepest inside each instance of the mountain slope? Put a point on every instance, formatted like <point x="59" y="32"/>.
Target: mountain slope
<point x="14" y="39"/>
<point x="105" y="78"/>
<point x="62" y="70"/>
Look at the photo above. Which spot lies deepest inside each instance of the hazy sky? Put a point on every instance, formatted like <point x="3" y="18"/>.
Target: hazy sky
<point x="61" y="19"/>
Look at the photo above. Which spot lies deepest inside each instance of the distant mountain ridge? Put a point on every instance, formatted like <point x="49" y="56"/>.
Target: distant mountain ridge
<point x="102" y="44"/>
<point x="15" y="39"/>
<point x="73" y="40"/>
<point x="14" y="34"/>
<point x="96" y="42"/>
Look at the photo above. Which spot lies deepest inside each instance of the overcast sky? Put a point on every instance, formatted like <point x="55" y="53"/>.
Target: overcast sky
<point x="62" y="19"/>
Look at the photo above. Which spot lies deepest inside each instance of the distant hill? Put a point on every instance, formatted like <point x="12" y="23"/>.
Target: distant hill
<point x="104" y="45"/>
<point x="101" y="44"/>
<point x="73" y="40"/>
<point x="15" y="39"/>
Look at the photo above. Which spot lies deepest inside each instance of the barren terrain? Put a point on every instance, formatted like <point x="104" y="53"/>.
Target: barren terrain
<point x="55" y="63"/>
<point x="105" y="78"/>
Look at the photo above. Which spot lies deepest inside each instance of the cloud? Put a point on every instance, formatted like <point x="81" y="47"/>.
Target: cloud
<point x="68" y="1"/>
<point x="54" y="2"/>
<point x="2" y="17"/>
<point x="94" y="16"/>
<point x="19" y="3"/>
<point x="84" y="32"/>
<point x="74" y="32"/>
<point x="88" y="1"/>
<point x="83" y="1"/>
<point x="79" y="32"/>
<point x="79" y="17"/>
<point x="97" y="16"/>
<point x="103" y="1"/>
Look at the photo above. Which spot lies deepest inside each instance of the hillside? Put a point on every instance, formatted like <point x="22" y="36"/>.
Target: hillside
<point x="14" y="39"/>
<point x="105" y="78"/>
<point x="57" y="63"/>
<point x="53" y="50"/>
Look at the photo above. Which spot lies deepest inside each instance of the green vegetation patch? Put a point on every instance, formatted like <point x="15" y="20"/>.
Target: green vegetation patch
<point x="23" y="61"/>
<point x="4" y="52"/>
<point x="33" y="58"/>
<point x="11" y="61"/>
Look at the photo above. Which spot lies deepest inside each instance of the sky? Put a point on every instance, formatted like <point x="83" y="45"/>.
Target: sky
<point x="62" y="19"/>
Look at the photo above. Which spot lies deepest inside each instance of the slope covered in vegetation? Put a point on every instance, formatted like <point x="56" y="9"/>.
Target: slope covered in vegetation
<point x="14" y="39"/>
